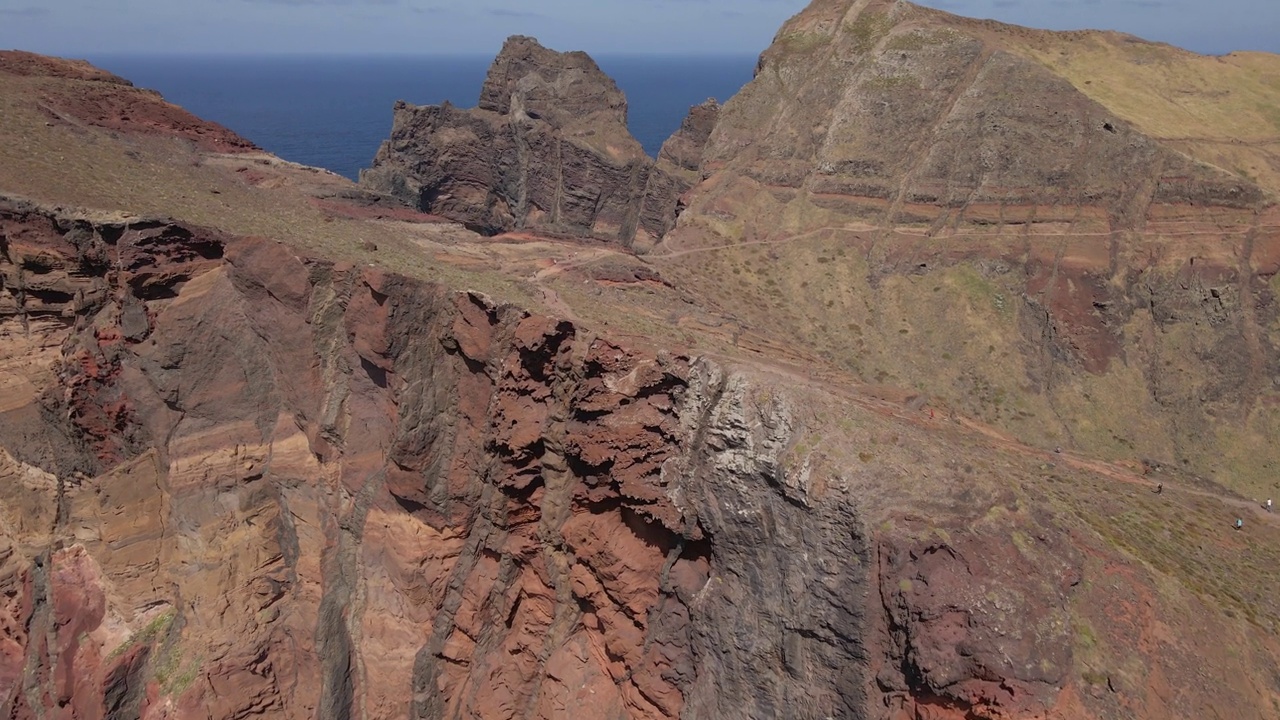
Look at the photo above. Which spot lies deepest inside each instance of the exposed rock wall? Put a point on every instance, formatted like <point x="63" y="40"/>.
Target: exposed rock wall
<point x="301" y="489"/>
<point x="546" y="149"/>
<point x="238" y="482"/>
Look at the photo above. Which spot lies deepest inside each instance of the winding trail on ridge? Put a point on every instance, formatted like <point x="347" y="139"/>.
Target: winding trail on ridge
<point x="861" y="228"/>
<point x="858" y="393"/>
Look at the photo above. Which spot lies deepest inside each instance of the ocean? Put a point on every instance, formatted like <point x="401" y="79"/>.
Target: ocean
<point x="333" y="112"/>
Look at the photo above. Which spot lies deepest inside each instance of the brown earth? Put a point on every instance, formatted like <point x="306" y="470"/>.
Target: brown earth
<point x="270" y="447"/>
<point x="95" y="97"/>
<point x="975" y="211"/>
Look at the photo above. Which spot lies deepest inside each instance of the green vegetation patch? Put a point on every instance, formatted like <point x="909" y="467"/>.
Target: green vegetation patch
<point x="158" y="626"/>
<point x="174" y="675"/>
<point x="910" y="41"/>
<point x="886" y="83"/>
<point x="803" y="42"/>
<point x="866" y="30"/>
<point x="983" y="295"/>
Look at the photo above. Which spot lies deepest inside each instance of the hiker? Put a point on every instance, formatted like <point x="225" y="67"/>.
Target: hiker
<point x="1268" y="504"/>
<point x="1159" y="488"/>
<point x="1239" y="523"/>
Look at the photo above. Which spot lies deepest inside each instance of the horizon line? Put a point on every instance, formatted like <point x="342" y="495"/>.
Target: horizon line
<point x="371" y="54"/>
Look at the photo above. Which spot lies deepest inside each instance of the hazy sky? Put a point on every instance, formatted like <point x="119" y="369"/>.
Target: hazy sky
<point x="95" y="27"/>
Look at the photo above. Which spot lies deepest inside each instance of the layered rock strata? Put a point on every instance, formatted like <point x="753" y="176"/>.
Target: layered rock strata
<point x="951" y="191"/>
<point x="242" y="482"/>
<point x="546" y="149"/>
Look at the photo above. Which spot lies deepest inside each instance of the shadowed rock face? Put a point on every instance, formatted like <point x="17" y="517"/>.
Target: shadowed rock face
<point x="546" y="149"/>
<point x="684" y="149"/>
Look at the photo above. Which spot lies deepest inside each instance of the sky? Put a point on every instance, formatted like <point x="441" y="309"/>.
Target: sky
<point x="85" y="28"/>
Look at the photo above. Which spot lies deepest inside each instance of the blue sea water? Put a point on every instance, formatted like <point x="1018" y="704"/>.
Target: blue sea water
<point x="333" y="112"/>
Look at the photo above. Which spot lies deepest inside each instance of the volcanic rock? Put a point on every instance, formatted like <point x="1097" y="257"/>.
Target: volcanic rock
<point x="684" y="148"/>
<point x="250" y="467"/>
<point x="546" y="149"/>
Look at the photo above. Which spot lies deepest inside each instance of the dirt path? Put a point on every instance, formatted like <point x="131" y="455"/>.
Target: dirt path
<point x="579" y="259"/>
<point x="858" y="395"/>
<point x="861" y="228"/>
<point x="780" y="241"/>
<point x="1111" y="471"/>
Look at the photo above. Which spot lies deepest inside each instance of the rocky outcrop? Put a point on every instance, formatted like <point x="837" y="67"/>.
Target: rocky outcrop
<point x="683" y="150"/>
<point x="547" y="149"/>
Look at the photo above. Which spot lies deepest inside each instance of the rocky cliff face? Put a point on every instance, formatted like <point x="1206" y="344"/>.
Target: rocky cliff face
<point x="546" y="149"/>
<point x="245" y="483"/>
<point x="237" y="482"/>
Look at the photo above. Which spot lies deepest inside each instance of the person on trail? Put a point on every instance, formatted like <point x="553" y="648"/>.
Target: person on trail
<point x="1239" y="523"/>
<point x="1268" y="504"/>
<point x="1159" y="488"/>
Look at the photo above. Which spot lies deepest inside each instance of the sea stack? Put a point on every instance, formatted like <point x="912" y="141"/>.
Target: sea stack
<point x="547" y="150"/>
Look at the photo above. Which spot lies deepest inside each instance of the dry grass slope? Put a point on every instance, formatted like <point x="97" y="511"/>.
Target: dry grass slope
<point x="1224" y="111"/>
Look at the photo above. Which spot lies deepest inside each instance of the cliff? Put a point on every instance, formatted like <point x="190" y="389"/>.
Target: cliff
<point x="270" y="447"/>
<point x="546" y="149"/>
<point x="240" y="482"/>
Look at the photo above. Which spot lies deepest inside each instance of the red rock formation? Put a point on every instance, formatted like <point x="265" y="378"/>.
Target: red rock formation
<point x="475" y="440"/>
<point x="237" y="480"/>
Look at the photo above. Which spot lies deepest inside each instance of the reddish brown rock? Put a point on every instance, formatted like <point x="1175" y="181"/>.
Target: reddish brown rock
<point x="949" y="606"/>
<point x="88" y="95"/>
